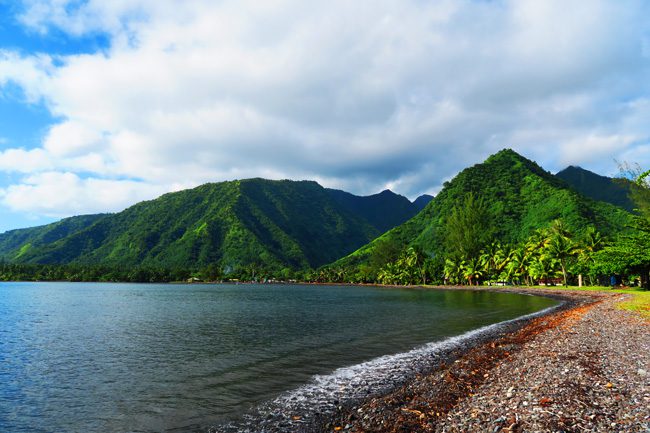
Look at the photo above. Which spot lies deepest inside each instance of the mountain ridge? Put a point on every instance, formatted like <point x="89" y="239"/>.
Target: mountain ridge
<point x="284" y="224"/>
<point x="598" y="187"/>
<point x="295" y="224"/>
<point x="521" y="197"/>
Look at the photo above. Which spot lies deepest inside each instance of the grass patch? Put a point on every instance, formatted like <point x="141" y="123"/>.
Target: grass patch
<point x="640" y="302"/>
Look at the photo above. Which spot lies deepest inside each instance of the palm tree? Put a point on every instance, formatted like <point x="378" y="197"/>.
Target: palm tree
<point x="414" y="262"/>
<point x="561" y="248"/>
<point x="472" y="270"/>
<point x="543" y="267"/>
<point x="487" y="259"/>
<point x="502" y="258"/>
<point x="517" y="264"/>
<point x="592" y="242"/>
<point x="453" y="270"/>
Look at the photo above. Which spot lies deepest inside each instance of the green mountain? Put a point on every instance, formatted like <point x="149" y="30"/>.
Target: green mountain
<point x="18" y="242"/>
<point x="275" y="224"/>
<point x="422" y="201"/>
<point x="520" y="197"/>
<point x="597" y="187"/>
<point x="383" y="211"/>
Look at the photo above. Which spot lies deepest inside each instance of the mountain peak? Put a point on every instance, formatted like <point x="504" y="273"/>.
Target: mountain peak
<point x="519" y="197"/>
<point x="598" y="187"/>
<point x="422" y="201"/>
<point x="383" y="210"/>
<point x="575" y="169"/>
<point x="507" y="154"/>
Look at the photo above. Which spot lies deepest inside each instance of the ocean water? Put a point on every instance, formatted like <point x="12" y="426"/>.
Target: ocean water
<point x="78" y="357"/>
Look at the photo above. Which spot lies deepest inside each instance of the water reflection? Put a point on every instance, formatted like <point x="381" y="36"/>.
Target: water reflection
<point x="126" y="357"/>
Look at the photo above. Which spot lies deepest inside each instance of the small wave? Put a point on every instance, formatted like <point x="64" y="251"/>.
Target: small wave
<point x="296" y="410"/>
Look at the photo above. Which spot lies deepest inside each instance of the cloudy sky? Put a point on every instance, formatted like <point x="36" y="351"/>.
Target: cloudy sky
<point x="106" y="103"/>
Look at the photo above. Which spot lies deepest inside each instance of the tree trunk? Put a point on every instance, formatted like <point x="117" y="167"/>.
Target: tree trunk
<point x="644" y="279"/>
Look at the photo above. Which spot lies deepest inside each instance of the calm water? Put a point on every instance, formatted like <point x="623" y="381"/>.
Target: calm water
<point x="127" y="357"/>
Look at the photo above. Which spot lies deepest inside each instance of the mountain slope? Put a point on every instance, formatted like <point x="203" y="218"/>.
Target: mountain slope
<point x="275" y="224"/>
<point x="520" y="197"/>
<point x="383" y="211"/>
<point x="597" y="187"/>
<point x="422" y="201"/>
<point x="15" y="243"/>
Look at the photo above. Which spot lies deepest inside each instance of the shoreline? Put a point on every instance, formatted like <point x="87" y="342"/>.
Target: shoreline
<point x="469" y="385"/>
<point x="321" y="406"/>
<point x="473" y="390"/>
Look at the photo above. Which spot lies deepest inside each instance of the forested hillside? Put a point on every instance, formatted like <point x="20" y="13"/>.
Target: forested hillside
<point x="506" y="219"/>
<point x="230" y="225"/>
<point x="506" y="199"/>
<point x="601" y="188"/>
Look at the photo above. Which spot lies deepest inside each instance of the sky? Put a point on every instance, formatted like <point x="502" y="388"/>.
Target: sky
<point x="107" y="103"/>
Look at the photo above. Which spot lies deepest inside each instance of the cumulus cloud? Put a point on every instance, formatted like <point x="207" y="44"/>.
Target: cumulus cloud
<point x="358" y="95"/>
<point x="59" y="194"/>
<point x="25" y="161"/>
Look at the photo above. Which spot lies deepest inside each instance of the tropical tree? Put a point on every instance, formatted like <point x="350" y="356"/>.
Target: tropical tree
<point x="453" y="270"/>
<point x="489" y="260"/>
<point x="590" y="243"/>
<point x="630" y="254"/>
<point x="472" y="271"/>
<point x="543" y="267"/>
<point x="389" y="274"/>
<point x="387" y="250"/>
<point x="560" y="246"/>
<point x="517" y="265"/>
<point x="467" y="229"/>
<point x="409" y="268"/>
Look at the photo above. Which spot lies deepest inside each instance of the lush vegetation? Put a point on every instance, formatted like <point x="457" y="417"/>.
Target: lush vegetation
<point x="506" y="220"/>
<point x="549" y="256"/>
<point x="629" y="254"/>
<point x="243" y="228"/>
<point x="136" y="274"/>
<point x="142" y="274"/>
<point x="384" y="210"/>
<point x="18" y="242"/>
<point x="616" y="191"/>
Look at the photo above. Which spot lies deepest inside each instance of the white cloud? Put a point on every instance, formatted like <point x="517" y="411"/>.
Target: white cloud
<point x="25" y="161"/>
<point x="72" y="138"/>
<point x="62" y="194"/>
<point x="31" y="73"/>
<point x="360" y="95"/>
<point x="595" y="147"/>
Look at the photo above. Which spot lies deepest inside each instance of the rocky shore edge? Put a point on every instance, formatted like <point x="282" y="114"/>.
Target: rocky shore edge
<point x="582" y="367"/>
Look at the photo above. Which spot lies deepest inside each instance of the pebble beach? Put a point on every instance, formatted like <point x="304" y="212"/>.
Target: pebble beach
<point x="585" y="368"/>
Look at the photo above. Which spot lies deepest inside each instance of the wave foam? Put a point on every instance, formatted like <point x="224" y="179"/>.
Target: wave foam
<point x="296" y="409"/>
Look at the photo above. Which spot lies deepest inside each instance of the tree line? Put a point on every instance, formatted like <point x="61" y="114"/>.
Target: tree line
<point x="470" y="254"/>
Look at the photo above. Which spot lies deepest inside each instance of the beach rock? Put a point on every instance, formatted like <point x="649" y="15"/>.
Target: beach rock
<point x="576" y="370"/>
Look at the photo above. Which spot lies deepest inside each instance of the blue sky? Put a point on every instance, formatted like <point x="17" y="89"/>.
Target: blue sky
<point x="24" y="124"/>
<point x="106" y="103"/>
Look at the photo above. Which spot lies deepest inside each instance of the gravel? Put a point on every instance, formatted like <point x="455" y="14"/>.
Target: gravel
<point x="585" y="369"/>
